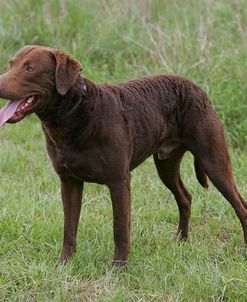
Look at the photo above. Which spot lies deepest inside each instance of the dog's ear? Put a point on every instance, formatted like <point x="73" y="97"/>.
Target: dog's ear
<point x="67" y="71"/>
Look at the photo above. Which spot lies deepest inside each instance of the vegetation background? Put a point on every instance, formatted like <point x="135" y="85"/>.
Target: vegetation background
<point x="205" y="41"/>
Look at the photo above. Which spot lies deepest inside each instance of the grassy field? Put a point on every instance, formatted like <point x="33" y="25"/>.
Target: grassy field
<point x="204" y="41"/>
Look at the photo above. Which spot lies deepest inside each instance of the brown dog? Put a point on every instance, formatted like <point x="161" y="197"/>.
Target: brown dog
<point x="99" y="133"/>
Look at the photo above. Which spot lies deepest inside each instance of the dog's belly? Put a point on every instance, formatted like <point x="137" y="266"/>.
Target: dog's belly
<point x="139" y="157"/>
<point x="163" y="150"/>
<point x="148" y="135"/>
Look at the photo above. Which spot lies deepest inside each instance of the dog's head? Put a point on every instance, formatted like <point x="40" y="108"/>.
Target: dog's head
<point x="35" y="72"/>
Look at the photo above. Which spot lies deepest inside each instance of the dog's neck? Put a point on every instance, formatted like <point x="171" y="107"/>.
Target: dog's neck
<point x="66" y="108"/>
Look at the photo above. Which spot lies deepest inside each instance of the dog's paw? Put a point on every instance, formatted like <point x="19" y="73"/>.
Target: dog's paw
<point x="119" y="263"/>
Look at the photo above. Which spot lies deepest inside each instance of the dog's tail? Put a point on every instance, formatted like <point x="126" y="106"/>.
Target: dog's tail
<point x="200" y="174"/>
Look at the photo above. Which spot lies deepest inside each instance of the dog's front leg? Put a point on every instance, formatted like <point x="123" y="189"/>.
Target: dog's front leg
<point x="71" y="191"/>
<point x="120" y="196"/>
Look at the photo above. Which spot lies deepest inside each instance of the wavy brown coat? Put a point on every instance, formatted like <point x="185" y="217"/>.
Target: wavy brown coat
<point x="100" y="132"/>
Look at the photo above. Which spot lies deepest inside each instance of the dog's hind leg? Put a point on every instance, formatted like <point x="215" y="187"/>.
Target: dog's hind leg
<point x="169" y="172"/>
<point x="210" y="148"/>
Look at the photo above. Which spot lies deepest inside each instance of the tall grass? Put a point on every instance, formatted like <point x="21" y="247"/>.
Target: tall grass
<point x="118" y="40"/>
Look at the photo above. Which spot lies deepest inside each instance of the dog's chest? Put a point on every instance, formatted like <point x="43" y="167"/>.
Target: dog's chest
<point x="70" y="162"/>
<point x="68" y="159"/>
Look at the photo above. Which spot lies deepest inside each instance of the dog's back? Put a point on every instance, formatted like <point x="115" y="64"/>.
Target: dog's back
<point x="157" y="109"/>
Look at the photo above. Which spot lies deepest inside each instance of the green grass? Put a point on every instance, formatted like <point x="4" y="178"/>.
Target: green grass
<point x="118" y="40"/>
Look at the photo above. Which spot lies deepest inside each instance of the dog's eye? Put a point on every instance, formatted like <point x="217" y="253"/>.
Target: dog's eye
<point x="29" y="68"/>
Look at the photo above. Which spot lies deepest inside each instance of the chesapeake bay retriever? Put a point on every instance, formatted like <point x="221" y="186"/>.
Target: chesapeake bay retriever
<point x="100" y="132"/>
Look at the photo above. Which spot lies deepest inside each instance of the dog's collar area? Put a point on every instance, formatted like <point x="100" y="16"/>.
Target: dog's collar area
<point x="84" y="93"/>
<point x="84" y="87"/>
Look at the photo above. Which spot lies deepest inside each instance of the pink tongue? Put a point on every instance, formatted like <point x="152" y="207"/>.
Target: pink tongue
<point x="8" y="111"/>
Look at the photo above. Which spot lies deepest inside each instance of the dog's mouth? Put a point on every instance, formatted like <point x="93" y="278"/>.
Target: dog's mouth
<point x="16" y="110"/>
